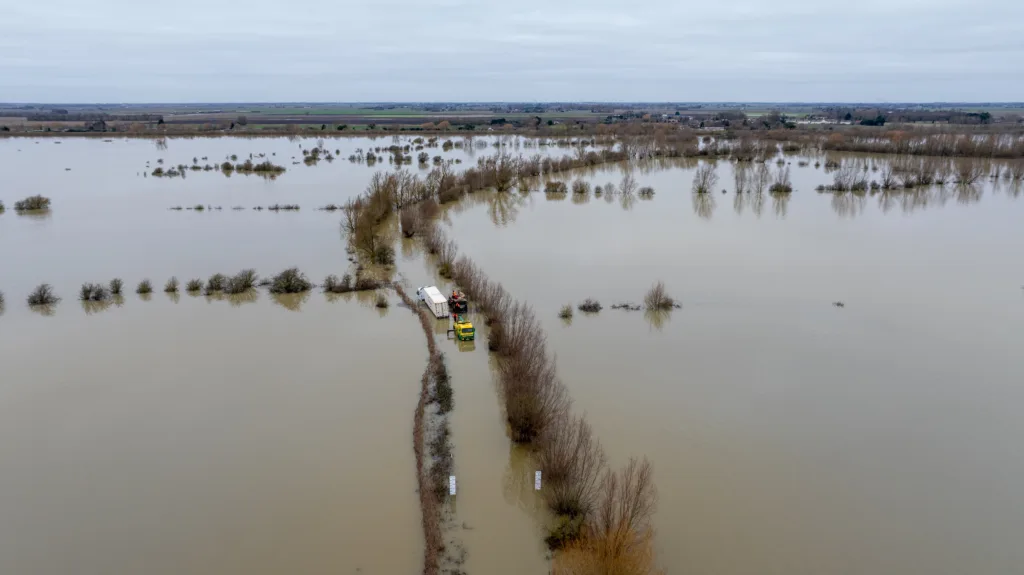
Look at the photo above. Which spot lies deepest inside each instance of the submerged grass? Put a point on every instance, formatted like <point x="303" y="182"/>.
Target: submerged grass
<point x="144" y="287"/>
<point x="565" y="312"/>
<point x="171" y="286"/>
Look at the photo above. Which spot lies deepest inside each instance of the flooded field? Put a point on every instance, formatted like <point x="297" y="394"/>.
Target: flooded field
<point x="789" y="435"/>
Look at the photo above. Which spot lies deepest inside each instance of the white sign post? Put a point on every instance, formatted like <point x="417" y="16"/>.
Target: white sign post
<point x="536" y="482"/>
<point x="451" y="485"/>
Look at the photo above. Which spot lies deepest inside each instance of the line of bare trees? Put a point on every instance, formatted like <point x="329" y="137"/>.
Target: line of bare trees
<point x="603" y="515"/>
<point x="942" y="145"/>
<point x="579" y="488"/>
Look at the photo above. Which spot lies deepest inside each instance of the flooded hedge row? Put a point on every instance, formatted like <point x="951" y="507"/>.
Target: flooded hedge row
<point x="289" y="281"/>
<point x="602" y="516"/>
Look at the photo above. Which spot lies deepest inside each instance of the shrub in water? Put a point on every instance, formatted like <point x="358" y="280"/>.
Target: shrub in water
<point x="194" y="285"/>
<point x="566" y="312"/>
<point x="216" y="283"/>
<point x="241" y="282"/>
<point x="658" y="299"/>
<point x="331" y="283"/>
<point x="555" y="188"/>
<point x="384" y="255"/>
<point x="93" y="292"/>
<point x="589" y="306"/>
<point x="32" y="203"/>
<point x="382" y="301"/>
<point x="43" y="295"/>
<point x="145" y="287"/>
<point x="290" y="280"/>
<point x="2" y="208"/>
<point x="116" y="285"/>
<point x="410" y="222"/>
<point x="171" y="286"/>
<point x="443" y="393"/>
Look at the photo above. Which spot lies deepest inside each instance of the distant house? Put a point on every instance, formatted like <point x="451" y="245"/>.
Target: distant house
<point x="97" y="126"/>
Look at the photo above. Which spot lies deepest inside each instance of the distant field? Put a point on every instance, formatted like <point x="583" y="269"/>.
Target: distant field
<point x="398" y="112"/>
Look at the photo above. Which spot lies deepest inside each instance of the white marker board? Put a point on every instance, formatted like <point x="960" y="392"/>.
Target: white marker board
<point x="451" y="485"/>
<point x="536" y="482"/>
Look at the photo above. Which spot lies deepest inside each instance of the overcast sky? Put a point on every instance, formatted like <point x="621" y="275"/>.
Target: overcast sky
<point x="526" y="50"/>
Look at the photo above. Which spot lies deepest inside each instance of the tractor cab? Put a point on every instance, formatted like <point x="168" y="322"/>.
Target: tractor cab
<point x="463" y="328"/>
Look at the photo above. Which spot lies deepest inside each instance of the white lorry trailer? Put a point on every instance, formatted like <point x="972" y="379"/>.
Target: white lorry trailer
<point x="435" y="300"/>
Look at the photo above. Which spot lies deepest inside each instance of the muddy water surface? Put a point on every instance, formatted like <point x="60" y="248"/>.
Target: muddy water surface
<point x="264" y="435"/>
<point x="790" y="435"/>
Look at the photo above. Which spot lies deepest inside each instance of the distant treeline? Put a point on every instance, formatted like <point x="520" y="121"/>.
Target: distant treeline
<point x="61" y="116"/>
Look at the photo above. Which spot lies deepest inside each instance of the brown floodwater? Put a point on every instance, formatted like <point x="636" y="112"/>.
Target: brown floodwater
<point x="186" y="434"/>
<point x="790" y="435"/>
<point x="261" y="434"/>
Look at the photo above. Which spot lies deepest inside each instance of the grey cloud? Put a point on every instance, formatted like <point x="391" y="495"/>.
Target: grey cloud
<point x="737" y="50"/>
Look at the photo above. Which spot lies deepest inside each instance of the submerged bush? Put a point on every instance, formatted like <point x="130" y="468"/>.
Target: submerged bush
<point x="215" y="283"/>
<point x="410" y="222"/>
<point x="171" y="286"/>
<point x="116" y="285"/>
<point x="333" y="285"/>
<point x="241" y="282"/>
<point x="1" y="301"/>
<point x="443" y="392"/>
<point x="658" y="299"/>
<point x="565" y="312"/>
<point x="145" y="287"/>
<point x="589" y="306"/>
<point x="32" y="204"/>
<point x="194" y="285"/>
<point x="580" y="187"/>
<point x="555" y="188"/>
<point x="93" y="292"/>
<point x="382" y="301"/>
<point x="384" y="255"/>
<point x="290" y="280"/>
<point x="43" y="295"/>
<point x="2" y="208"/>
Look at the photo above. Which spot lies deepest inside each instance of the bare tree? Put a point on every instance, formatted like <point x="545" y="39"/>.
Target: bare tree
<point x="968" y="171"/>
<point x="705" y="179"/>
<point x="619" y="539"/>
<point x="740" y="177"/>
<point x="571" y="459"/>
<point x="761" y="178"/>
<point x="628" y="185"/>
